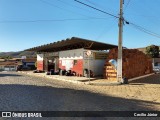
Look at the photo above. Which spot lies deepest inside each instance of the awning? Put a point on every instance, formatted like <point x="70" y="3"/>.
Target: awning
<point x="72" y="43"/>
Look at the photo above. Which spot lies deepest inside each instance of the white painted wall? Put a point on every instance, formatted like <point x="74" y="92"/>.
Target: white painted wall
<point x="67" y="57"/>
<point x="6" y="69"/>
<point x="96" y="65"/>
<point x="71" y="54"/>
<point x="40" y="57"/>
<point x="10" y="68"/>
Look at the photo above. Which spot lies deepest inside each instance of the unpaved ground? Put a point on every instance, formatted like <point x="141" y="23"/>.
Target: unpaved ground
<point x="28" y="93"/>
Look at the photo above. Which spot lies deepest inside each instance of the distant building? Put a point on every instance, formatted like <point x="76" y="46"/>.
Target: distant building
<point x="143" y="49"/>
<point x="2" y="60"/>
<point x="14" y="63"/>
<point x="8" y="66"/>
<point x="156" y="61"/>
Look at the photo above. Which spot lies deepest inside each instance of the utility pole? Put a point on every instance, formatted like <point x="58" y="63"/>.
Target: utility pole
<point x="119" y="67"/>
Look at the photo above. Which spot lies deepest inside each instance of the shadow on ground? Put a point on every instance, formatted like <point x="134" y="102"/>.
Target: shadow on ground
<point x="8" y="74"/>
<point x="45" y="98"/>
<point x="17" y="97"/>
<point x="153" y="79"/>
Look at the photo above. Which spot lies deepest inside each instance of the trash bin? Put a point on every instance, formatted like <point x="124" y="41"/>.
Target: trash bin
<point x="52" y="71"/>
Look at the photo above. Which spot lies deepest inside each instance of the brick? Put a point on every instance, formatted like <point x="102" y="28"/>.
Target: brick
<point x="135" y="63"/>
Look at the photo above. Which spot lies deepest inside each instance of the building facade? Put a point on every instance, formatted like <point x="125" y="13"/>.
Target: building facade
<point x="8" y="66"/>
<point x="75" y="60"/>
<point x="71" y="54"/>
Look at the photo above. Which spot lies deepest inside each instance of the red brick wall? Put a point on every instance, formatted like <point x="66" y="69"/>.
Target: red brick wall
<point x="135" y="63"/>
<point x="40" y="65"/>
<point x="60" y="65"/>
<point x="77" y="67"/>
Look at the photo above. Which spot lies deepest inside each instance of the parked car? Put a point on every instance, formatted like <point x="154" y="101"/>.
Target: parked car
<point x="23" y="68"/>
<point x="156" y="69"/>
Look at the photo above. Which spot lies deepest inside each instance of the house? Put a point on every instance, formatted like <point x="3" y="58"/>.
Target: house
<point x="143" y="49"/>
<point x="71" y="54"/>
<point x="2" y="60"/>
<point x="14" y="63"/>
<point x="155" y="61"/>
<point x="8" y="66"/>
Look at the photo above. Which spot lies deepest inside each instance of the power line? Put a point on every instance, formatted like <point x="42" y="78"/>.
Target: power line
<point x="145" y="30"/>
<point x="96" y="9"/>
<point x="69" y="4"/>
<point x="145" y="16"/>
<point x="67" y="10"/>
<point x="127" y="4"/>
<point x="55" y="20"/>
<point x="93" y="3"/>
<point x="127" y="22"/>
<point x="104" y="31"/>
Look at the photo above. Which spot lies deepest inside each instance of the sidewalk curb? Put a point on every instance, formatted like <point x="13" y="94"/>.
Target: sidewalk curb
<point x="107" y="83"/>
<point x="136" y="78"/>
<point x="51" y="77"/>
<point x="71" y="81"/>
<point x="82" y="83"/>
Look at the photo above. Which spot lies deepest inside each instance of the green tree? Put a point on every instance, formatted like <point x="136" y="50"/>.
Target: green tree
<point x="152" y="51"/>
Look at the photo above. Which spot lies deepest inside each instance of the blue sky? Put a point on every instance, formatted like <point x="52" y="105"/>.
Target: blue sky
<point x="41" y="22"/>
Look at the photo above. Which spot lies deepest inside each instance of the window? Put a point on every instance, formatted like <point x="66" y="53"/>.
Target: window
<point x="75" y="62"/>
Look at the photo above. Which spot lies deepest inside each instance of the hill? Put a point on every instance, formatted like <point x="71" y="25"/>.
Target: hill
<point x="17" y="54"/>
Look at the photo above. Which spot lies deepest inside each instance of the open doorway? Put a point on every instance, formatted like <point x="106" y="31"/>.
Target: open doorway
<point x="51" y="63"/>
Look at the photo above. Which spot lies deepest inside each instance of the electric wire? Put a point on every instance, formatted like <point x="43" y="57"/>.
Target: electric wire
<point x="62" y="8"/>
<point x="93" y="3"/>
<point x="53" y="20"/>
<point x="90" y="18"/>
<point x="127" y="22"/>
<point x="127" y="4"/>
<point x="96" y="8"/>
<point x="69" y="4"/>
<point x="145" y="30"/>
<point x="104" y="31"/>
